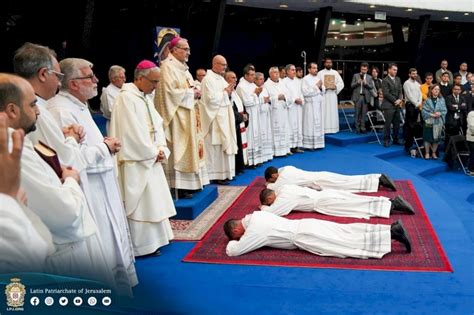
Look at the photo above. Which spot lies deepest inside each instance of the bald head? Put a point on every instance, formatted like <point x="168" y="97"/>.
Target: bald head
<point x="219" y="64"/>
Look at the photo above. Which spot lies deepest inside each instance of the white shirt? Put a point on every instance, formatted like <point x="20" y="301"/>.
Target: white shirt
<point x="412" y="92"/>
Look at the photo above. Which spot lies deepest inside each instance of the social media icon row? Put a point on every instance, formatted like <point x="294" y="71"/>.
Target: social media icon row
<point x="63" y="301"/>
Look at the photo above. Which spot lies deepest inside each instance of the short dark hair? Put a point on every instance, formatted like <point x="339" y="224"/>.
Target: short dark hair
<point x="428" y="74"/>
<point x="229" y="227"/>
<point x="445" y="73"/>
<point x="310" y="64"/>
<point x="9" y="93"/>
<point x="375" y="68"/>
<point x="270" y="171"/>
<point x="299" y="69"/>
<point x="457" y="75"/>
<point x="364" y="64"/>
<point x="457" y="85"/>
<point x="264" y="195"/>
<point x="412" y="70"/>
<point x="391" y="65"/>
<point x="249" y="67"/>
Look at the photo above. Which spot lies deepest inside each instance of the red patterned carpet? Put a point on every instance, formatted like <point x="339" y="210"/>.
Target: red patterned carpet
<point x="427" y="253"/>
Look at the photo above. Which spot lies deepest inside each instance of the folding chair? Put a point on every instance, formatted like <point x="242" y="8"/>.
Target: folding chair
<point x="341" y="106"/>
<point x="460" y="149"/>
<point x="377" y="122"/>
<point x="418" y="140"/>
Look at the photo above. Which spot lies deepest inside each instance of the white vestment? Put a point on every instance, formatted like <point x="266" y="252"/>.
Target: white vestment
<point x="105" y="200"/>
<point x="246" y="91"/>
<point x="218" y="127"/>
<point x="330" y="202"/>
<point x="295" y="112"/>
<point x="330" y="103"/>
<point x="290" y="175"/>
<point x="265" y="122"/>
<point x="25" y="241"/>
<point x="280" y="125"/>
<point x="320" y="237"/>
<point x="145" y="191"/>
<point x="313" y="123"/>
<point x="107" y="101"/>
<point x="63" y="208"/>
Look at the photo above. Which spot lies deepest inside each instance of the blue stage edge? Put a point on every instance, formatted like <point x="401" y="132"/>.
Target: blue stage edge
<point x="189" y="209"/>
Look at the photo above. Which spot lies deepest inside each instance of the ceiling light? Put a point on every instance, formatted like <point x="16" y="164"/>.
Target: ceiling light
<point x="409" y="10"/>
<point x="466" y="13"/>
<point x="344" y="25"/>
<point x="359" y="20"/>
<point x="333" y="22"/>
<point x="335" y="37"/>
<point x="284" y="6"/>
<point x="371" y="6"/>
<point x="346" y="38"/>
<point x="358" y="24"/>
<point x="239" y="1"/>
<point x="369" y="19"/>
<point x="446" y="18"/>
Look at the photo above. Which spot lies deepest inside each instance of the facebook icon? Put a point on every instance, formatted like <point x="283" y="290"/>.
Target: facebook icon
<point x="34" y="301"/>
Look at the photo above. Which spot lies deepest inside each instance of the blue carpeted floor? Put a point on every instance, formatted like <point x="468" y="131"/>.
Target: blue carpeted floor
<point x="170" y="286"/>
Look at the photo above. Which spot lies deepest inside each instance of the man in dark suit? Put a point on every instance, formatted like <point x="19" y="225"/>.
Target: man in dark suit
<point x="363" y="91"/>
<point x="457" y="112"/>
<point x="392" y="102"/>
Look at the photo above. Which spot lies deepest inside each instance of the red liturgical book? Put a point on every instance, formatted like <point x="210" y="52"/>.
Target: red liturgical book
<point x="50" y="157"/>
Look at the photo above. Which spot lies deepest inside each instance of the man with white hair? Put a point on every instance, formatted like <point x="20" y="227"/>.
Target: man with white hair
<point x="295" y="110"/>
<point x="176" y="102"/>
<point x="137" y="124"/>
<point x="280" y="102"/>
<point x="70" y="106"/>
<point x="110" y="92"/>
<point x="218" y="124"/>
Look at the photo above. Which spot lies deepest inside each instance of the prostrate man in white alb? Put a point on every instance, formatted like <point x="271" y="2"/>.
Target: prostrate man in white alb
<point x="218" y="124"/>
<point x="337" y="203"/>
<point x="280" y="103"/>
<point x="319" y="237"/>
<point x="326" y="180"/>
<point x="313" y="122"/>
<point x="333" y="84"/>
<point x="265" y="119"/>
<point x="70" y="106"/>
<point x="249" y="94"/>
<point x="25" y="241"/>
<point x="137" y="124"/>
<point x="110" y="92"/>
<point x="59" y="202"/>
<point x="295" y="111"/>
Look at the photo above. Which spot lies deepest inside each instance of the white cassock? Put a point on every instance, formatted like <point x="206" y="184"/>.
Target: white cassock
<point x="290" y="175"/>
<point x="313" y="123"/>
<point x="320" y="237"/>
<point x="106" y="201"/>
<point x="246" y="91"/>
<point x="330" y="103"/>
<point x="280" y="125"/>
<point x="218" y="126"/>
<point x="145" y="191"/>
<point x="265" y="122"/>
<point x="235" y="99"/>
<point x="295" y="112"/>
<point x="25" y="242"/>
<point x="107" y="101"/>
<point x="330" y="202"/>
<point x="63" y="208"/>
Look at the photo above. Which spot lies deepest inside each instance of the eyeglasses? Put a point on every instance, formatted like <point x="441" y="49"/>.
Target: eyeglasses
<point x="187" y="49"/>
<point x="154" y="82"/>
<point x="222" y="64"/>
<point x="90" y="76"/>
<point x="58" y="75"/>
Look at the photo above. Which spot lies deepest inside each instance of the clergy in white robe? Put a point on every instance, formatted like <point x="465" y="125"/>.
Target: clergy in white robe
<point x="320" y="237"/>
<point x="280" y="102"/>
<point x="70" y="106"/>
<point x="176" y="102"/>
<point x="295" y="111"/>
<point x="265" y="119"/>
<point x="330" y="202"/>
<point x="333" y="85"/>
<point x="313" y="122"/>
<point x="110" y="92"/>
<point x="218" y="123"/>
<point x="25" y="242"/>
<point x="145" y="191"/>
<point x="249" y="94"/>
<point x="290" y="175"/>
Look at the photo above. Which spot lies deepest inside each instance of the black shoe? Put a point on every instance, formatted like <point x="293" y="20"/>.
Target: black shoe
<point x="222" y="182"/>
<point x="298" y="150"/>
<point x="154" y="254"/>
<point x="184" y="194"/>
<point x="401" y="205"/>
<point x="363" y="131"/>
<point x="386" y="143"/>
<point x="398" y="233"/>
<point x="385" y="181"/>
<point x="397" y="142"/>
